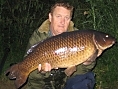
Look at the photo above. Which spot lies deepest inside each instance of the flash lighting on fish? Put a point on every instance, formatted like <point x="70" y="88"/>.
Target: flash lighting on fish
<point x="104" y="40"/>
<point x="107" y="35"/>
<point x="66" y="49"/>
<point x="74" y="49"/>
<point x="61" y="50"/>
<point x="31" y="49"/>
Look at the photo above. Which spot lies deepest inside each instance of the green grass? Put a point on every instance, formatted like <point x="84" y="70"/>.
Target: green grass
<point x="106" y="70"/>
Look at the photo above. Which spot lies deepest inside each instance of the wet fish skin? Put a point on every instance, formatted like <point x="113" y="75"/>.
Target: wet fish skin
<point x="65" y="50"/>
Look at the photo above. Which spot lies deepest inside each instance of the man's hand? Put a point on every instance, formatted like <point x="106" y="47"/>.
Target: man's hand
<point x="45" y="67"/>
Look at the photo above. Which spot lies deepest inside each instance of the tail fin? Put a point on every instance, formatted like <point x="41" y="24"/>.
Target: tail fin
<point x="14" y="73"/>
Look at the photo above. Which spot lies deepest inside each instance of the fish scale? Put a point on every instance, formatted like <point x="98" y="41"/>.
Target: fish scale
<point x="68" y="42"/>
<point x="65" y="50"/>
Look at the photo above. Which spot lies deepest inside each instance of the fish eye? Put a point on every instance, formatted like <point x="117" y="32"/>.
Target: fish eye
<point x="107" y="35"/>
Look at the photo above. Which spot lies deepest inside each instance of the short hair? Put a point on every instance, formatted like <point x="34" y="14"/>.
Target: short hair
<point x="62" y="4"/>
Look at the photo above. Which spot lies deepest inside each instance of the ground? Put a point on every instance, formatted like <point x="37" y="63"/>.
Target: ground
<point x="7" y="84"/>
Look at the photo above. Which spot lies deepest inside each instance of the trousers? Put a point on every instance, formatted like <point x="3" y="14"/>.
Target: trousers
<point x="84" y="81"/>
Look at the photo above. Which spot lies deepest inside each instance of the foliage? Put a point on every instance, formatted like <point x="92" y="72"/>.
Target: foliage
<point x="104" y="16"/>
<point x="18" y="20"/>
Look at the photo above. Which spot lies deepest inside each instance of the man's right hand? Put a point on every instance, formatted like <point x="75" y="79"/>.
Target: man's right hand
<point x="46" y="67"/>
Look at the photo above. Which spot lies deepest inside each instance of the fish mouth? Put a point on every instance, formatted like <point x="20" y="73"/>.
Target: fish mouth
<point x="113" y="43"/>
<point x="108" y="46"/>
<point x="116" y="43"/>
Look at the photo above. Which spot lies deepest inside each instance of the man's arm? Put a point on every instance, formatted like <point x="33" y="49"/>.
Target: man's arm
<point x="34" y="39"/>
<point x="82" y="69"/>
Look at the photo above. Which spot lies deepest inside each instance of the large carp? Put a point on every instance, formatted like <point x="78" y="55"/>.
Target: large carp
<point x="65" y="50"/>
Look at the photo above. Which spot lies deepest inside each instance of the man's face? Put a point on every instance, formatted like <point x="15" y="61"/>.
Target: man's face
<point x="60" y="20"/>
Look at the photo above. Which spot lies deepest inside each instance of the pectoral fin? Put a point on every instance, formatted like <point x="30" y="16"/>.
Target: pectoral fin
<point x="70" y="70"/>
<point x="91" y="58"/>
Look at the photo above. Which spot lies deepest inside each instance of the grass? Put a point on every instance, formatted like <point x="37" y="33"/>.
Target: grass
<point x="106" y="70"/>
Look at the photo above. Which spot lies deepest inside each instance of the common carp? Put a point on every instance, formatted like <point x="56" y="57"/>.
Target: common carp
<point x="65" y="50"/>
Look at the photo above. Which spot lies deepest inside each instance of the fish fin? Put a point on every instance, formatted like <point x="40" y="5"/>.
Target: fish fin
<point x="14" y="73"/>
<point x="70" y="70"/>
<point x="20" y="81"/>
<point x="91" y="58"/>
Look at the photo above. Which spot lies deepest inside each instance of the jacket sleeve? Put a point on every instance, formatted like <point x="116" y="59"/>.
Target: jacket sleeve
<point x="82" y="69"/>
<point x="35" y="38"/>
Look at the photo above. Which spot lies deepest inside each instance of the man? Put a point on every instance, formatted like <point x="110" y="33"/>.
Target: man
<point x="59" y="21"/>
